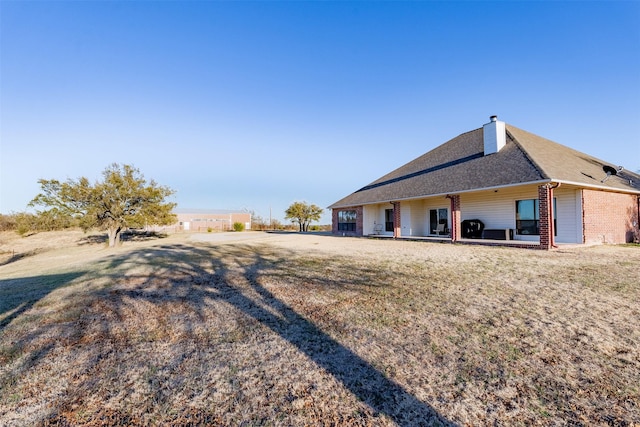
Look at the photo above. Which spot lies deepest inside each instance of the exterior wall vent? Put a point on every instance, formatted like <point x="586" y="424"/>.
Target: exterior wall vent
<point x="495" y="135"/>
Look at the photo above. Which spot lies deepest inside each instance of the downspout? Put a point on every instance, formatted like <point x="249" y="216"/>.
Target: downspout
<point x="552" y="230"/>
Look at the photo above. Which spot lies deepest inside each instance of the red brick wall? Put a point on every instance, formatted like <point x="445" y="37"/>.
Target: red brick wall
<point x="397" y="220"/>
<point x="334" y="222"/>
<point x="545" y="197"/>
<point x="456" y="225"/>
<point x="609" y="217"/>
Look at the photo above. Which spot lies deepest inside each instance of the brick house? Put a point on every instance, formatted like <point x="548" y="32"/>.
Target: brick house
<point x="498" y="183"/>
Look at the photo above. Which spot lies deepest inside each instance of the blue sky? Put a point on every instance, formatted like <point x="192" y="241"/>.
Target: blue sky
<point x="258" y="104"/>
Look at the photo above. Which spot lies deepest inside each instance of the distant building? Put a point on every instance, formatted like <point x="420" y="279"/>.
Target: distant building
<point x="210" y="219"/>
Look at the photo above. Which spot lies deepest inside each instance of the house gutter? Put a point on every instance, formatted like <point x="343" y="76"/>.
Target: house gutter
<point x="599" y="187"/>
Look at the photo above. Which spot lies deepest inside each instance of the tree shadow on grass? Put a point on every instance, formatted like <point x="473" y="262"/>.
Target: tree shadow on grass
<point x="142" y="236"/>
<point x="19" y="295"/>
<point x="235" y="275"/>
<point x="126" y="236"/>
<point x="368" y="384"/>
<point x="18" y="256"/>
<point x="93" y="239"/>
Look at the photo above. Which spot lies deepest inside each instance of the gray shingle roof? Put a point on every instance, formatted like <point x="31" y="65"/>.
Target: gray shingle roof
<point x="459" y="165"/>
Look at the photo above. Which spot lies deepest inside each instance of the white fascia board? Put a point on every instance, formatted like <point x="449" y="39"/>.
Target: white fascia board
<point x="596" y="187"/>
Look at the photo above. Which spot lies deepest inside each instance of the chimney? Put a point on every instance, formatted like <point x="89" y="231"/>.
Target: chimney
<point x="495" y="136"/>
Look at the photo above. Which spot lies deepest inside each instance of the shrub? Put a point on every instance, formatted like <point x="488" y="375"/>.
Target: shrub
<point x="26" y="223"/>
<point x="7" y="222"/>
<point x="238" y="226"/>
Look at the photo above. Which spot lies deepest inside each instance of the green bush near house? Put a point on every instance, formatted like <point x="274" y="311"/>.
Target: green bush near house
<point x="238" y="226"/>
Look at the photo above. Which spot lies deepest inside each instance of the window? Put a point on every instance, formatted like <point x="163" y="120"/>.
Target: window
<point x="388" y="220"/>
<point x="528" y="217"/>
<point x="346" y="220"/>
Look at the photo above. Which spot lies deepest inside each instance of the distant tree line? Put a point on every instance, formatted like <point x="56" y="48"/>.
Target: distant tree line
<point x="122" y="199"/>
<point x="25" y="223"/>
<point x="263" y="224"/>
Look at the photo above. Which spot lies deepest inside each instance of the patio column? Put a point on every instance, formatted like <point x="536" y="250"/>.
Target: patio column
<point x="456" y="226"/>
<point x="545" y="203"/>
<point x="397" y="231"/>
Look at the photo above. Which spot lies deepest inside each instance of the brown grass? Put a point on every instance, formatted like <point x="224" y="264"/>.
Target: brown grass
<point x="316" y="330"/>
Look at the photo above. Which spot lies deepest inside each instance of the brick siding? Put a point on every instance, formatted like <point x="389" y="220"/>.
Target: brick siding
<point x="359" y="228"/>
<point x="397" y="220"/>
<point x="609" y="217"/>
<point x="456" y="225"/>
<point x="545" y="197"/>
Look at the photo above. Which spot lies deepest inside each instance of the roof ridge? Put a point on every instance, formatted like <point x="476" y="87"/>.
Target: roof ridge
<point x="464" y="133"/>
<point x="423" y="171"/>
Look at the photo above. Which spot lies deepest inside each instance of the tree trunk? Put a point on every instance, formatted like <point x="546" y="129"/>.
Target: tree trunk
<point x="114" y="236"/>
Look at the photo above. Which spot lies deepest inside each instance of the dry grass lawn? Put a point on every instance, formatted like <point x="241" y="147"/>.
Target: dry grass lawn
<point x="292" y="330"/>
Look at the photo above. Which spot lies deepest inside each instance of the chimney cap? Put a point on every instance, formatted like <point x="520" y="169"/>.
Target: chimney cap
<point x="493" y="118"/>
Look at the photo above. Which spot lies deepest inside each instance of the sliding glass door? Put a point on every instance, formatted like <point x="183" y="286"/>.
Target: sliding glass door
<point x="439" y="221"/>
